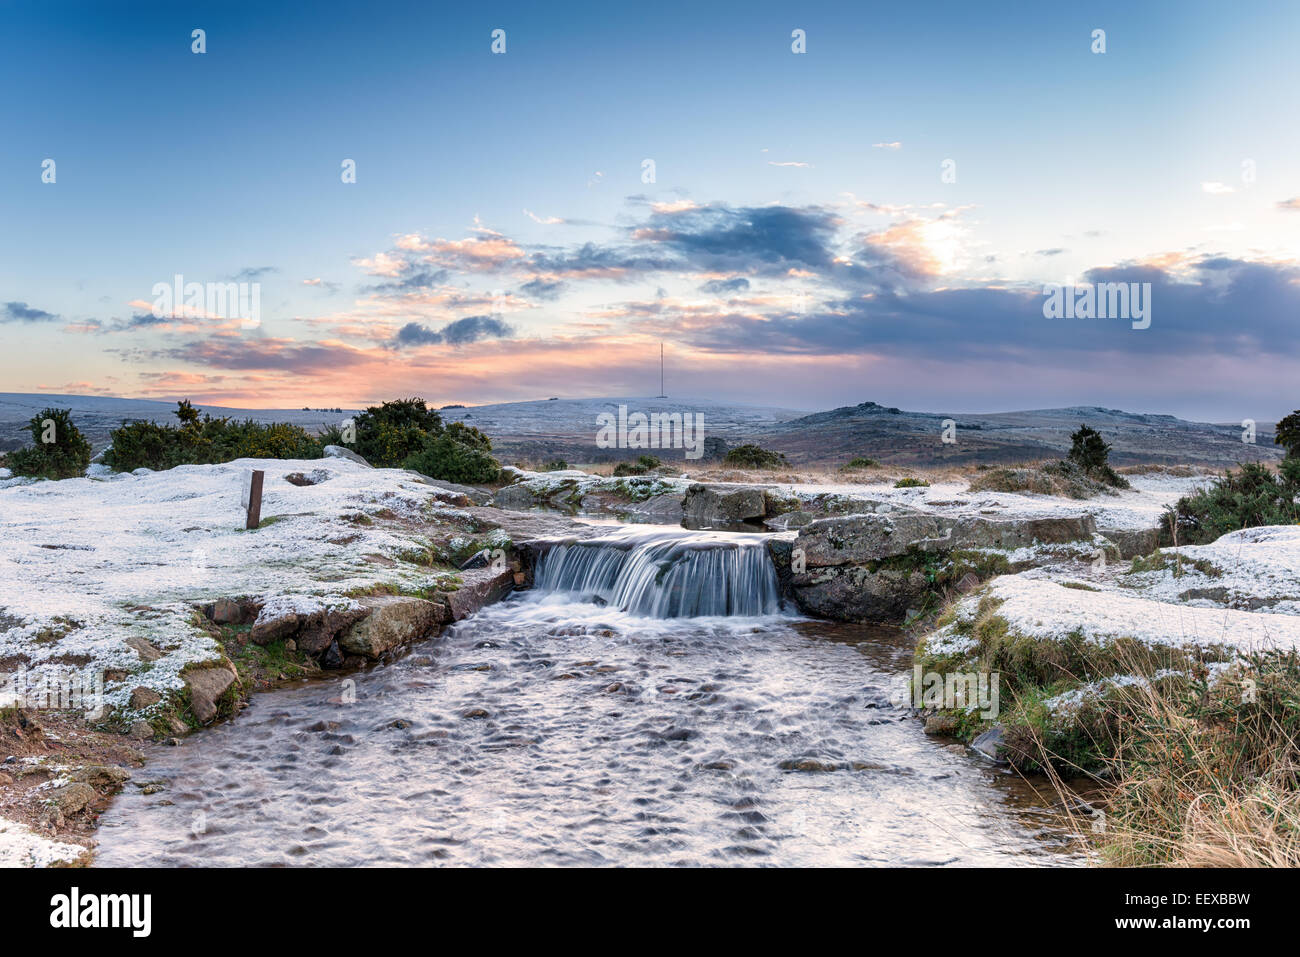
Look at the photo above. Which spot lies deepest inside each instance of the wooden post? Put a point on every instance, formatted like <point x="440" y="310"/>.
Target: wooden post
<point x="254" y="501"/>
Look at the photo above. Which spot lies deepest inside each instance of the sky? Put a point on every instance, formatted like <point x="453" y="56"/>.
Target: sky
<point x="875" y="218"/>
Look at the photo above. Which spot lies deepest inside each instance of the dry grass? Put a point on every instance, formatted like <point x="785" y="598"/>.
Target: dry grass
<point x="1205" y="773"/>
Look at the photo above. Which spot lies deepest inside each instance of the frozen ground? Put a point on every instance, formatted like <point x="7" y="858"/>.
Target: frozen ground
<point x="22" y="847"/>
<point x="87" y="563"/>
<point x="1138" y="508"/>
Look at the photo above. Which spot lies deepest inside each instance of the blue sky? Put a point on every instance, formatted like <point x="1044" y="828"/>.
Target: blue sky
<point x="505" y="193"/>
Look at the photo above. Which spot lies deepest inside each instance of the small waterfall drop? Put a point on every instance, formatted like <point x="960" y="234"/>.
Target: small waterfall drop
<point x="665" y="573"/>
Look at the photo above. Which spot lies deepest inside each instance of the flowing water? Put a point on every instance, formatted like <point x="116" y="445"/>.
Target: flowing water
<point x="646" y="704"/>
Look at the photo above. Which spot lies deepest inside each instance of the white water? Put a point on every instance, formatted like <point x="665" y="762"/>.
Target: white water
<point x="665" y="573"/>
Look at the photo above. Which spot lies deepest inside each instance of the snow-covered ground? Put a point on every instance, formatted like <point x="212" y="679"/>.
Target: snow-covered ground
<point x="1252" y="568"/>
<point x="1140" y="507"/>
<point x="22" y="847"/>
<point x="1241" y="593"/>
<point x="1046" y="609"/>
<point x="86" y="563"/>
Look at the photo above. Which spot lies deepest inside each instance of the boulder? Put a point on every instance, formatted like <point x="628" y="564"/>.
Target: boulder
<point x="339" y="452"/>
<point x="143" y="697"/>
<point x="206" y="686"/>
<point x="231" y="611"/>
<point x="142" y="647"/>
<point x="63" y="802"/>
<point x="866" y="567"/>
<point x="311" y="626"/>
<point x="479" y="587"/>
<point x="516" y="497"/>
<point x="391" y="621"/>
<point x="855" y="539"/>
<point x="723" y="505"/>
<point x="790" y="520"/>
<point x="1133" y="542"/>
<point x="316" y="634"/>
<point x="105" y="777"/>
<point x="665" y="507"/>
<point x="990" y="744"/>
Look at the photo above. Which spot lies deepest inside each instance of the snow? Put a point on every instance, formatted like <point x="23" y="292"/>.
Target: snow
<point x="1259" y="566"/>
<point x="86" y="563"/>
<point x="1044" y="609"/>
<point x="1135" y="509"/>
<point x="22" y="847"/>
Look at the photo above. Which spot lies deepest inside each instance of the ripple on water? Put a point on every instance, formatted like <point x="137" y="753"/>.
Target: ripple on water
<point x="547" y="732"/>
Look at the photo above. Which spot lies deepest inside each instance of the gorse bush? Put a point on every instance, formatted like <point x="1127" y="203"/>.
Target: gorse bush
<point x="755" y="457"/>
<point x="388" y="434"/>
<point x="204" y="440"/>
<point x="860" y="462"/>
<point x="1245" y="499"/>
<point x="406" y="433"/>
<point x="59" y="451"/>
<point x="459" y="453"/>
<point x="642" y="465"/>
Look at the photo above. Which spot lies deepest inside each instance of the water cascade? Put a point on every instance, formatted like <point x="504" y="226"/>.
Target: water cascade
<point x="665" y="574"/>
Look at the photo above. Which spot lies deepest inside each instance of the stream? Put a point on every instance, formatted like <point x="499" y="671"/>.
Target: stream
<point x="648" y="703"/>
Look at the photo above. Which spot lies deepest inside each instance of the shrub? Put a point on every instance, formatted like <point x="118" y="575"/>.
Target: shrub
<point x="1089" y="451"/>
<point x="1062" y="477"/>
<point x="1288" y="434"/>
<point x="858" y="463"/>
<point x="60" y="450"/>
<point x="555" y="465"/>
<point x="204" y="440"/>
<point x="629" y="468"/>
<point x="1253" y="496"/>
<point x="458" y="454"/>
<point x="389" y="434"/>
<point x="910" y="482"/>
<point x="755" y="457"/>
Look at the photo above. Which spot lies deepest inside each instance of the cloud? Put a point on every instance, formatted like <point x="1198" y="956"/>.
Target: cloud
<point x="1054" y="251"/>
<point x="792" y="163"/>
<point x="896" y="145"/>
<point x="1216" y="189"/>
<point x="540" y="288"/>
<point x="1290" y="204"/>
<point x="250" y="273"/>
<point x="21" y="312"/>
<point x="1216" y="305"/>
<point x="719" y="287"/>
<point x="547" y="221"/>
<point x="461" y="332"/>
<point x="745" y="239"/>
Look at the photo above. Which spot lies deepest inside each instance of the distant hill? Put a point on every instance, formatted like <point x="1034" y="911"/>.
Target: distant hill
<point x="546" y="429"/>
<point x="897" y="437"/>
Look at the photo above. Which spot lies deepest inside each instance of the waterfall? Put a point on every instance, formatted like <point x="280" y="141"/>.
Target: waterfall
<point x="665" y="573"/>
